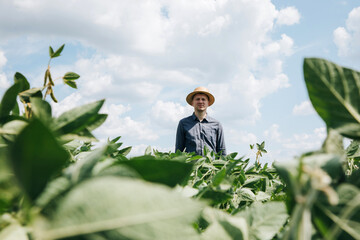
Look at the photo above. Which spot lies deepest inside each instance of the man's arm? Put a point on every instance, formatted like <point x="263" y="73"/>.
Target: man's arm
<point x="180" y="138"/>
<point x="220" y="143"/>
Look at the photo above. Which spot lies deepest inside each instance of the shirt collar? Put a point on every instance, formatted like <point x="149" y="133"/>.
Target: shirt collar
<point x="206" y="119"/>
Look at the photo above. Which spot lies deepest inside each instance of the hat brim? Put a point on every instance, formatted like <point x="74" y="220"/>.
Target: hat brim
<point x="190" y="96"/>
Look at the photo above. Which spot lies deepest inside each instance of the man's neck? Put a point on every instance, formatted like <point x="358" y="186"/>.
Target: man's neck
<point x="200" y="115"/>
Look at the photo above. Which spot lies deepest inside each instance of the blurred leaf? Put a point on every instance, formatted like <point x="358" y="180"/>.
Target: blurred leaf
<point x="215" y="196"/>
<point x="83" y="168"/>
<point x="84" y="135"/>
<point x="353" y="150"/>
<point x="219" y="177"/>
<point x="23" y="82"/>
<point x="41" y="109"/>
<point x="288" y="172"/>
<point x="334" y="93"/>
<point x="10" y="129"/>
<point x="16" y="111"/>
<point x="148" y="151"/>
<point x="125" y="151"/>
<point x="58" y="52"/>
<point x="160" y="171"/>
<point x="70" y="76"/>
<point x="35" y="157"/>
<point x="341" y="221"/>
<point x="33" y="92"/>
<point x="52" y="191"/>
<point x="224" y="226"/>
<point x="330" y="163"/>
<point x="73" y="145"/>
<point x="78" y="118"/>
<point x="265" y="219"/>
<point x="115" y="139"/>
<point x="333" y="142"/>
<point x="9" y="100"/>
<point x="245" y="194"/>
<point x="96" y="121"/>
<point x="138" y="210"/>
<point x="14" y="232"/>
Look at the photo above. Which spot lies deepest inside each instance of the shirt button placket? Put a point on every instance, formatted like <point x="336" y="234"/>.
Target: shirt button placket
<point x="201" y="138"/>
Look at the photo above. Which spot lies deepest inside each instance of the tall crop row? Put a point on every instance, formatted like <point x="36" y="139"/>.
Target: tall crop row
<point x="55" y="185"/>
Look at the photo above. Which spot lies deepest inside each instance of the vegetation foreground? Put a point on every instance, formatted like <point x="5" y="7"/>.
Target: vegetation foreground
<point x="55" y="185"/>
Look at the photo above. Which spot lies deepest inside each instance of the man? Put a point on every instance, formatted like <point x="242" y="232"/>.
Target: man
<point x="200" y="130"/>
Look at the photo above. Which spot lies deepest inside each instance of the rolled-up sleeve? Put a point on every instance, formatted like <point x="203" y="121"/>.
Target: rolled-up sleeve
<point x="220" y="141"/>
<point x="180" y="138"/>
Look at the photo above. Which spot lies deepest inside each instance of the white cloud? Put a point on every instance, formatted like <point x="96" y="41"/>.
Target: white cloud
<point x="4" y="83"/>
<point x="306" y="141"/>
<point x="118" y="125"/>
<point x="273" y="133"/>
<point x="169" y="113"/>
<point x="303" y="109"/>
<point x="283" y="46"/>
<point x="342" y="40"/>
<point x="239" y="137"/>
<point x="347" y="39"/>
<point x="282" y="147"/>
<point x="288" y="16"/>
<point x="215" y="26"/>
<point x="3" y="59"/>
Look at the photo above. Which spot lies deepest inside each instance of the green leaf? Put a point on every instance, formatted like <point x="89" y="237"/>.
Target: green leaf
<point x="331" y="163"/>
<point x="14" y="232"/>
<point x="160" y="171"/>
<point x="41" y="109"/>
<point x="35" y="157"/>
<point x="115" y="139"/>
<point x="125" y="151"/>
<point x="96" y="121"/>
<point x="265" y="220"/>
<point x="16" y="111"/>
<point x="219" y="177"/>
<point x="33" y="92"/>
<point x="288" y="172"/>
<point x="10" y="129"/>
<point x="341" y="221"/>
<point x="334" y="93"/>
<point x="71" y="84"/>
<point x="121" y="208"/>
<point x="224" y="226"/>
<point x="333" y="142"/>
<point x="83" y="135"/>
<point x="51" y="51"/>
<point x="353" y="150"/>
<point x="58" y="52"/>
<point x="83" y="168"/>
<point x="9" y="100"/>
<point x="53" y="191"/>
<point x="70" y="76"/>
<point x="148" y="151"/>
<point x="245" y="194"/>
<point x="215" y="196"/>
<point x="78" y="118"/>
<point x="23" y="82"/>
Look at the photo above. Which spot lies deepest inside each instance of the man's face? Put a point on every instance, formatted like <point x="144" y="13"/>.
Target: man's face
<point x="200" y="102"/>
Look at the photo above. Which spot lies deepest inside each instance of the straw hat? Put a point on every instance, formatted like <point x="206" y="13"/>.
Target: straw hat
<point x="202" y="90"/>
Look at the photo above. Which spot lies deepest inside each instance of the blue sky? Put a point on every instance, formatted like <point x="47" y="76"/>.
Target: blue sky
<point x="144" y="57"/>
